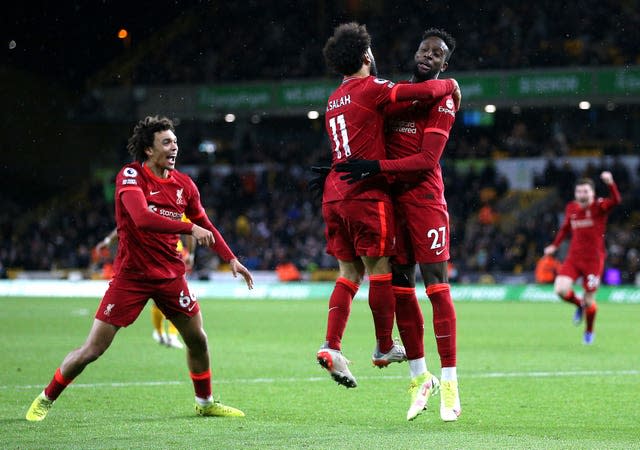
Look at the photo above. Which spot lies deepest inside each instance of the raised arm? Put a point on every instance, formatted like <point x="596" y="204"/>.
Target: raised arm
<point x="427" y="91"/>
<point x="222" y="249"/>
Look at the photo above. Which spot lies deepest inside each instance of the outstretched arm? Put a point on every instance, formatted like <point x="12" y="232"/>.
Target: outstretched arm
<point x="427" y="91"/>
<point x="221" y="248"/>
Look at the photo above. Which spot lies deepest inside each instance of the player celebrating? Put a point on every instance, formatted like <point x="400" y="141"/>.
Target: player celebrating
<point x="164" y="332"/>
<point x="416" y="136"/>
<point x="359" y="218"/>
<point x="586" y="219"/>
<point x="151" y="197"/>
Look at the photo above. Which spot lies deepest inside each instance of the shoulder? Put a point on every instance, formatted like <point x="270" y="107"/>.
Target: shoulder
<point x="380" y="82"/>
<point x="130" y="174"/>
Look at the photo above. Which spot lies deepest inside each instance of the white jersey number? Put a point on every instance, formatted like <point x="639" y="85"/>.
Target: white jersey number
<point x="343" y="133"/>
<point x="439" y="238"/>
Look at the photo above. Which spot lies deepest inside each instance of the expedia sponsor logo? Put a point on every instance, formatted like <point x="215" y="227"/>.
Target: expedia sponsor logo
<point x="442" y="109"/>
<point x="403" y="126"/>
<point x="165" y="212"/>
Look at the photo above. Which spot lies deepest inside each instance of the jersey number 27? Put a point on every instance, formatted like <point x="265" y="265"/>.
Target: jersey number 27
<point x="343" y="133"/>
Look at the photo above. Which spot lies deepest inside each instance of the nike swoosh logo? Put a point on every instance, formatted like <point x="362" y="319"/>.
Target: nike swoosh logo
<point x="439" y="252"/>
<point x="443" y="336"/>
<point x="154" y="192"/>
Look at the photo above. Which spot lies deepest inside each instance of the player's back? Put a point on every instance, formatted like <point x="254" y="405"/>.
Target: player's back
<point x="354" y="123"/>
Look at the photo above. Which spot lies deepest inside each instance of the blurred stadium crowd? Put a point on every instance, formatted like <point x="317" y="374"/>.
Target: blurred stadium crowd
<point x="268" y="216"/>
<point x="493" y="35"/>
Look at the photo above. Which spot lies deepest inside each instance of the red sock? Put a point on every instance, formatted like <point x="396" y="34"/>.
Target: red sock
<point x="339" y="310"/>
<point x="410" y="321"/>
<point x="383" y="304"/>
<point x="570" y="297"/>
<point x="202" y="383"/>
<point x="590" y="316"/>
<point x="56" y="385"/>
<point x="444" y="322"/>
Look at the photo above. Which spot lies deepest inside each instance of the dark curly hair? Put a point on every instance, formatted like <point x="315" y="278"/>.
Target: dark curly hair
<point x="446" y="38"/>
<point x="143" y="135"/>
<point x="344" y="50"/>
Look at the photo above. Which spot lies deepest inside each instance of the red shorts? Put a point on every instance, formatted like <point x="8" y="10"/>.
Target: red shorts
<point x="357" y="228"/>
<point x="589" y="269"/>
<point x="124" y="299"/>
<point x="422" y="233"/>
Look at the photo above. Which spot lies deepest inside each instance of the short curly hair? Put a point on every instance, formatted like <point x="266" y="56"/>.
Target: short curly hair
<point x="344" y="50"/>
<point x="446" y="38"/>
<point x="143" y="135"/>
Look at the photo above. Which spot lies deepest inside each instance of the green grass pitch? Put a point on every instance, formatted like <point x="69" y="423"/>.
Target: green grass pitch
<point x="526" y="381"/>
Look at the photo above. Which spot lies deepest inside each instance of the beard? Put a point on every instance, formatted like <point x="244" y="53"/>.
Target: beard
<point x="422" y="76"/>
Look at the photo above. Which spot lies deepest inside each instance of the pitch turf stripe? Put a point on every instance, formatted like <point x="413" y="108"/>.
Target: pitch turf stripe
<point x="576" y="373"/>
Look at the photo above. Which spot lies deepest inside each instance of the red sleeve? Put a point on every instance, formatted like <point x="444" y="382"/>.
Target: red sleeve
<point x="136" y="205"/>
<point x="427" y="90"/>
<point x="613" y="200"/>
<point x="564" y="229"/>
<point x="219" y="246"/>
<point x="433" y="144"/>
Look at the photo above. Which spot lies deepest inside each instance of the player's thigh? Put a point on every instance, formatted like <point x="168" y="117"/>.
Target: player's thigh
<point x="563" y="284"/>
<point x="337" y="233"/>
<point x="428" y="230"/>
<point x="591" y="270"/>
<point x="403" y="249"/>
<point x="174" y="299"/>
<point x="372" y="227"/>
<point x="123" y="301"/>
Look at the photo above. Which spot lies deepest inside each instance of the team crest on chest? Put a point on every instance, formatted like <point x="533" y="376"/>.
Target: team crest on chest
<point x="179" y="199"/>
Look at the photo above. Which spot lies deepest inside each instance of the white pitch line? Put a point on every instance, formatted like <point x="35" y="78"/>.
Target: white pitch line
<point x="576" y="373"/>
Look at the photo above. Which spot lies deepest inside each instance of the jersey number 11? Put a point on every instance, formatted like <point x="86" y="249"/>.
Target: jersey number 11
<point x="343" y="133"/>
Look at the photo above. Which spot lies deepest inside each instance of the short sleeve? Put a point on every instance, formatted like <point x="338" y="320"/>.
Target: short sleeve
<point x="129" y="178"/>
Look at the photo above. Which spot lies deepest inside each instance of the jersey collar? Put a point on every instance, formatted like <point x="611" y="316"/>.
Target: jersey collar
<point x="156" y="177"/>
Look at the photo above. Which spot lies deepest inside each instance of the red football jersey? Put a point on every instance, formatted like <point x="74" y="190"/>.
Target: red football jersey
<point x="587" y="226"/>
<point x="354" y="121"/>
<point x="406" y="125"/>
<point x="146" y="255"/>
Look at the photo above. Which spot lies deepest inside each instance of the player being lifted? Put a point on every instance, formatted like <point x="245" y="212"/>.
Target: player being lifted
<point x="150" y="198"/>
<point x="416" y="136"/>
<point x="359" y="217"/>
<point x="586" y="219"/>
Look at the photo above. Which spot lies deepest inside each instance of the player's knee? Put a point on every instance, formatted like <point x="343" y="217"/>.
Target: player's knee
<point x="196" y="342"/>
<point x="403" y="276"/>
<point x="92" y="352"/>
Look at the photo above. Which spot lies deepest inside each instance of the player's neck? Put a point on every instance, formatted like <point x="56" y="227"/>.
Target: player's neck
<point x="415" y="79"/>
<point x="160" y="172"/>
<point x="362" y="73"/>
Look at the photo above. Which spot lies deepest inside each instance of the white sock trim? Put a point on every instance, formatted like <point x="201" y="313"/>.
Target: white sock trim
<point x="204" y="401"/>
<point x="417" y="367"/>
<point x="449" y="374"/>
